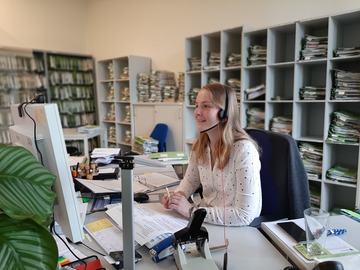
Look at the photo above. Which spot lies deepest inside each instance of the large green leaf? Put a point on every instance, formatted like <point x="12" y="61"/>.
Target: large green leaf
<point x="26" y="245"/>
<point x="25" y="186"/>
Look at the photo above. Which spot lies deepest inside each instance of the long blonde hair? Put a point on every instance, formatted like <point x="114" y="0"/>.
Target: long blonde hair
<point x="222" y="96"/>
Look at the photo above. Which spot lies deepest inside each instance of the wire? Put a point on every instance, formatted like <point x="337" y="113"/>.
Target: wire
<point x="98" y="252"/>
<point x="35" y="140"/>
<point x="224" y="200"/>
<point x="52" y="229"/>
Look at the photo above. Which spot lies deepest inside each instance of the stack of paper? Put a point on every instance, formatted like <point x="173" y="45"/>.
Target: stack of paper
<point x="345" y="127"/>
<point x="255" y="117"/>
<point x="349" y="51"/>
<point x="213" y="61"/>
<point x="281" y="124"/>
<point x="312" y="92"/>
<point x="342" y="174"/>
<point x="88" y="129"/>
<point x="311" y="155"/>
<point x="194" y="63"/>
<point x="345" y="85"/>
<point x="257" y="55"/>
<point x="104" y="155"/>
<point x="255" y="92"/>
<point x="145" y="145"/>
<point x="313" y="47"/>
<point x="233" y="60"/>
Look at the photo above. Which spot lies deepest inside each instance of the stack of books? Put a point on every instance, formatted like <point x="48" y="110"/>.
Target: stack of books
<point x="145" y="145"/>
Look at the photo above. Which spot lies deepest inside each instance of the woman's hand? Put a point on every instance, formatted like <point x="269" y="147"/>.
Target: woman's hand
<point x="178" y="202"/>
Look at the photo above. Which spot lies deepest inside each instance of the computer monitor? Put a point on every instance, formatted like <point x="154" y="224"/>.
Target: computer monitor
<point x="51" y="144"/>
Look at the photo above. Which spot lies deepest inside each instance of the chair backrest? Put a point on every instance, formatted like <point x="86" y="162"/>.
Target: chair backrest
<point x="285" y="187"/>
<point x="159" y="133"/>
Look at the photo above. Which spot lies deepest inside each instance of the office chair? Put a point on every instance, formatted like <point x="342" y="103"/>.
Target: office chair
<point x="284" y="183"/>
<point x="159" y="133"/>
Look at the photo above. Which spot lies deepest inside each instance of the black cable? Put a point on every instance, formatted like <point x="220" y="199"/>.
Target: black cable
<point x="52" y="229"/>
<point x="98" y="252"/>
<point x="36" y="144"/>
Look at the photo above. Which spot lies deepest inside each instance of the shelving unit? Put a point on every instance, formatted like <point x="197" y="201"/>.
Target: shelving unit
<point x="223" y="42"/>
<point x="116" y="92"/>
<point x="72" y="87"/>
<point x="283" y="75"/>
<point x="22" y="76"/>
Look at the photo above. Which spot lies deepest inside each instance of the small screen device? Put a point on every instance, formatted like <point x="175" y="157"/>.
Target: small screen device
<point x="292" y="229"/>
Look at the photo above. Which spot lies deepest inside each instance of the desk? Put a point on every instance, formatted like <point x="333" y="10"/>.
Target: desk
<point x="248" y="249"/>
<point x="71" y="134"/>
<point x="286" y="243"/>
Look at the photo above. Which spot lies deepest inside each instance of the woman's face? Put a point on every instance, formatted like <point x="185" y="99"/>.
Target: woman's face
<point x="206" y="112"/>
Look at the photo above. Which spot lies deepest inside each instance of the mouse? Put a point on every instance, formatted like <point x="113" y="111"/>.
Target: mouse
<point x="329" y="265"/>
<point x="141" y="197"/>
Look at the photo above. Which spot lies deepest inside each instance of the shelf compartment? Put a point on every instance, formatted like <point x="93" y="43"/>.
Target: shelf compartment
<point x="280" y="83"/>
<point x="308" y="120"/>
<point x="230" y="44"/>
<point x="281" y="40"/>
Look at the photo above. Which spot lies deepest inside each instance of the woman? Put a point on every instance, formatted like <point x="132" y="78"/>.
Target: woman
<point x="224" y="160"/>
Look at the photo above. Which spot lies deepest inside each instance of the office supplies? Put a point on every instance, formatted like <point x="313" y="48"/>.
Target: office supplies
<point x="163" y="249"/>
<point x="351" y="214"/>
<point x="198" y="255"/>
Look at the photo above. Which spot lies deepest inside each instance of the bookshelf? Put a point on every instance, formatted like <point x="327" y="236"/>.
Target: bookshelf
<point x="117" y="81"/>
<point x="22" y="76"/>
<point x="72" y="86"/>
<point x="284" y="73"/>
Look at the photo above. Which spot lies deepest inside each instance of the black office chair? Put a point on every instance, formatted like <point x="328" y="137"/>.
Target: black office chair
<point x="284" y="183"/>
<point x="159" y="133"/>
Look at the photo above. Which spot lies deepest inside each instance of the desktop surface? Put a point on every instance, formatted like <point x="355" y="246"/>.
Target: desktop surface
<point x="246" y="244"/>
<point x="286" y="243"/>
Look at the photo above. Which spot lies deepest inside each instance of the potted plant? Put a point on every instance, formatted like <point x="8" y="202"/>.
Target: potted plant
<point x="26" y="209"/>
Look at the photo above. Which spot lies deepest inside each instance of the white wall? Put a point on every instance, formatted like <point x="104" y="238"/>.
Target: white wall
<point x="153" y="28"/>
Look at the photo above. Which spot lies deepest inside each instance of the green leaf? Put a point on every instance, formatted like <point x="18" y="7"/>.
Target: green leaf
<point x="25" y="186"/>
<point x="26" y="245"/>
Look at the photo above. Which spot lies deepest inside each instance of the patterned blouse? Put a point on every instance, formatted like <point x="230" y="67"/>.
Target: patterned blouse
<point x="242" y="188"/>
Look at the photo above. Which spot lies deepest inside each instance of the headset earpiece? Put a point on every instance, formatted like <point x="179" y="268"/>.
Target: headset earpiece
<point x="223" y="113"/>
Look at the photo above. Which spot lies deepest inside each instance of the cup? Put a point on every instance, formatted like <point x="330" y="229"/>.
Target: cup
<point x="316" y="227"/>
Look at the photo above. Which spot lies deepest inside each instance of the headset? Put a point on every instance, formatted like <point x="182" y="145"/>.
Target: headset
<point x="222" y="114"/>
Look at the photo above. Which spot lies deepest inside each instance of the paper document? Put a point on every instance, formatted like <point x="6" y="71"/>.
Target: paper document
<point x="150" y="221"/>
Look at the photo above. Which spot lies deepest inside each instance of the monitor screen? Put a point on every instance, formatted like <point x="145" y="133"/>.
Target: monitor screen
<point x="53" y="155"/>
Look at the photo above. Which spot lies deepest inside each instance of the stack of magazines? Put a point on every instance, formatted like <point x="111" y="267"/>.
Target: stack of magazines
<point x="344" y="128"/>
<point x="313" y="47"/>
<point x="194" y="63"/>
<point x="342" y="174"/>
<point x="346" y="85"/>
<point x="257" y="55"/>
<point x="145" y="145"/>
<point x="213" y="60"/>
<point x="349" y="51"/>
<point x="311" y="155"/>
<point x="233" y="60"/>
<point x="281" y="124"/>
<point x="255" y="117"/>
<point x="312" y="92"/>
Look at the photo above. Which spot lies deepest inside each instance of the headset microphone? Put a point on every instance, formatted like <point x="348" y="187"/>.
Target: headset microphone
<point x="210" y="128"/>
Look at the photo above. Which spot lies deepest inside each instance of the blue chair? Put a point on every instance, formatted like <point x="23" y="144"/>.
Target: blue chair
<point x="284" y="182"/>
<point x="159" y="133"/>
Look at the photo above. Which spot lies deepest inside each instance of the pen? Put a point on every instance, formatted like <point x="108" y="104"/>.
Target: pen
<point x="168" y="192"/>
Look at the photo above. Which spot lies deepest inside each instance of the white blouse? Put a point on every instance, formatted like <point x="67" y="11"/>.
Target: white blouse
<point x="242" y="186"/>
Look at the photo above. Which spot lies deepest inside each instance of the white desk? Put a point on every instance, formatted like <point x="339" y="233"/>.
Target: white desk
<point x="248" y="249"/>
<point x="286" y="243"/>
<point x="71" y="134"/>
